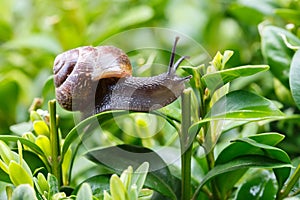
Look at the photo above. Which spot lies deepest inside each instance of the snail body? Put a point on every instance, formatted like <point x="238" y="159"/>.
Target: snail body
<point x="96" y="79"/>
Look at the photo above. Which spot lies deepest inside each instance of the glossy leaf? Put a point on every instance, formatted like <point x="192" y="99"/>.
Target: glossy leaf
<point x="23" y="191"/>
<point x="237" y="149"/>
<point x="294" y="78"/>
<point x="259" y="185"/>
<point x="242" y="162"/>
<point x="257" y="145"/>
<point x="241" y="106"/>
<point x="276" y="52"/>
<point x="120" y="157"/>
<point x="217" y="79"/>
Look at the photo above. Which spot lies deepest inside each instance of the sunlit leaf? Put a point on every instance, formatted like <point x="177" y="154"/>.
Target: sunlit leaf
<point x="18" y="175"/>
<point x="41" y="128"/>
<point x="217" y="79"/>
<point x="240" y="106"/>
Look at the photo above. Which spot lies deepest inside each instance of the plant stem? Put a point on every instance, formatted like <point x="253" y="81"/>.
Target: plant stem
<point x="186" y="145"/>
<point x="54" y="140"/>
<point x="289" y="186"/>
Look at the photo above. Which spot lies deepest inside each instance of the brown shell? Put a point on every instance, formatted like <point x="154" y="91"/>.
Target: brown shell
<point x="77" y="72"/>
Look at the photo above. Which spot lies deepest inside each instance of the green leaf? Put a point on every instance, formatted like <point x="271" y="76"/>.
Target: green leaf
<point x="217" y="79"/>
<point x="290" y="15"/>
<point x="238" y="147"/>
<point x="294" y="78"/>
<point x="28" y="143"/>
<point x="44" y="143"/>
<point x="259" y="185"/>
<point x="139" y="175"/>
<point x="6" y="154"/>
<point x="276" y="52"/>
<point x="242" y="162"/>
<point x="257" y="145"/>
<point x="98" y="183"/>
<point x="117" y="189"/>
<point x="4" y="176"/>
<point x="84" y="192"/>
<point x="53" y="186"/>
<point x="239" y="105"/>
<point x="18" y="175"/>
<point x="41" y="128"/>
<point x="243" y="105"/>
<point x="34" y="162"/>
<point x="23" y="191"/>
<point x="120" y="157"/>
<point x="42" y="182"/>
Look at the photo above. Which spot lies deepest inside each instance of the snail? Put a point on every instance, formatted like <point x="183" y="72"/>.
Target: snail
<point x="97" y="79"/>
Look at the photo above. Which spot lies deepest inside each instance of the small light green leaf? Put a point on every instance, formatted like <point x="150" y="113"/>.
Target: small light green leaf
<point x="28" y="143"/>
<point x="4" y="166"/>
<point x="117" y="189"/>
<point x="42" y="182"/>
<point x="44" y="143"/>
<point x="139" y="176"/>
<point x="145" y="194"/>
<point x="6" y="154"/>
<point x="20" y="128"/>
<point x="126" y="177"/>
<point x="18" y="175"/>
<point x="24" y="191"/>
<point x="66" y="165"/>
<point x="107" y="196"/>
<point x="41" y="128"/>
<point x="294" y="78"/>
<point x="217" y="79"/>
<point x="133" y="192"/>
<point x="84" y="192"/>
<point x="34" y="116"/>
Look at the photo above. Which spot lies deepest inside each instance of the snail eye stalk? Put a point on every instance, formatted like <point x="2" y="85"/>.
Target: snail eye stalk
<point x="173" y="55"/>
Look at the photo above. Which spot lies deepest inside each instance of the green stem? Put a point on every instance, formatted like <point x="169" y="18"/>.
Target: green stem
<point x="291" y="183"/>
<point x="186" y="145"/>
<point x="54" y="140"/>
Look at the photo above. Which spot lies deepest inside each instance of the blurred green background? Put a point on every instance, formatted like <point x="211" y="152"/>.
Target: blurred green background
<point x="33" y="32"/>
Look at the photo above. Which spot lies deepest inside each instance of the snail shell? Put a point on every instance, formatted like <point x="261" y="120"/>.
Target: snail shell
<point x="95" y="79"/>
